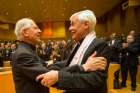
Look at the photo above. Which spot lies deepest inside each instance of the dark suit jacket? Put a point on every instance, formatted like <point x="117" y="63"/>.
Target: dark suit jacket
<point x="74" y="81"/>
<point x="116" y="50"/>
<point x="130" y="54"/>
<point x="26" y="66"/>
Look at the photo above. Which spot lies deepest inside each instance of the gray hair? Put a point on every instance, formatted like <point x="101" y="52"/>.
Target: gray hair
<point x="86" y="15"/>
<point x="21" y="25"/>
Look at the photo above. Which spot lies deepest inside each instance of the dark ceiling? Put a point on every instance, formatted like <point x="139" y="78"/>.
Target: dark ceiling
<point x="50" y="10"/>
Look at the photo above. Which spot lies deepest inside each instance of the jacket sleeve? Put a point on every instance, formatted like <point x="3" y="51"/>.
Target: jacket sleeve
<point x="62" y="65"/>
<point x="133" y="48"/>
<point x="30" y="65"/>
<point x="89" y="80"/>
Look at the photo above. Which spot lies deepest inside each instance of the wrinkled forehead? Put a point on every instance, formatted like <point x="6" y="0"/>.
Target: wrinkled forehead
<point x="29" y="25"/>
<point x="75" y="19"/>
<point x="72" y="18"/>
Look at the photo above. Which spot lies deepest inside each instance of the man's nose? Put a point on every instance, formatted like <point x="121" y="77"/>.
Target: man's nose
<point x="70" y="28"/>
<point x="39" y="31"/>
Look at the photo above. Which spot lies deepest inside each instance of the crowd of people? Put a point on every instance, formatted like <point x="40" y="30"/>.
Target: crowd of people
<point x="6" y="51"/>
<point x="54" y="50"/>
<point x="50" y="50"/>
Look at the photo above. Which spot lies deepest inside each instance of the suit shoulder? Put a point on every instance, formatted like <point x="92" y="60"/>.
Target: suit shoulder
<point x="23" y="51"/>
<point x="99" y="41"/>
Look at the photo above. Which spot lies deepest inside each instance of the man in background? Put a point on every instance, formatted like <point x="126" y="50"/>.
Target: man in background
<point x="130" y="61"/>
<point x="115" y="45"/>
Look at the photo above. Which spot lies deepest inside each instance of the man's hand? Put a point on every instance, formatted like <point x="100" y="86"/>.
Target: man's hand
<point x="125" y="45"/>
<point x="50" y="62"/>
<point x="95" y="63"/>
<point x="48" y="79"/>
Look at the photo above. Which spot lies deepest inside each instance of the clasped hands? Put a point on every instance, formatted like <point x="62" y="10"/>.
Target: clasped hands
<point x="92" y="64"/>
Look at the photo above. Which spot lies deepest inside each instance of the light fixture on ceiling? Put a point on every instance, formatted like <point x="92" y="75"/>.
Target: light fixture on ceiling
<point x="62" y="14"/>
<point x="25" y="11"/>
<point x="7" y="13"/>
<point x="64" y="8"/>
<point x="42" y="2"/>
<point x="19" y="4"/>
<point x="44" y="10"/>
<point x="66" y="0"/>
<point x="85" y="7"/>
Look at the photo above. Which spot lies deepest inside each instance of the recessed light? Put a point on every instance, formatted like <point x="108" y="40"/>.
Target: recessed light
<point x="62" y="14"/>
<point x="7" y="13"/>
<point x="19" y="4"/>
<point x="85" y="7"/>
<point x="26" y="11"/>
<point x="66" y="0"/>
<point x="45" y="10"/>
<point x="64" y="8"/>
<point x="42" y="2"/>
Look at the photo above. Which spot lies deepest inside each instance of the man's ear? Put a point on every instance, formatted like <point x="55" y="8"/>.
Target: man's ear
<point x="87" y="25"/>
<point x="25" y="33"/>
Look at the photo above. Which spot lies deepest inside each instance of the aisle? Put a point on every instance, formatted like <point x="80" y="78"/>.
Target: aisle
<point x="126" y="90"/>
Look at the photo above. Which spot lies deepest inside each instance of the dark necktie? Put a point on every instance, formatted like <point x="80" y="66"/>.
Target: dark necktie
<point x="73" y="53"/>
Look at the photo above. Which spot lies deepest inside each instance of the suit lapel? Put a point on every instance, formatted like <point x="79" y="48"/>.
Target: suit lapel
<point x="90" y="50"/>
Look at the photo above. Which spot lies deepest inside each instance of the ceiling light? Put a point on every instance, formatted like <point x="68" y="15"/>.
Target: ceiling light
<point x="85" y="7"/>
<point x="66" y="0"/>
<point x="19" y="4"/>
<point x="7" y="13"/>
<point x="45" y="10"/>
<point x="62" y="14"/>
<point x="42" y="2"/>
<point x="26" y="11"/>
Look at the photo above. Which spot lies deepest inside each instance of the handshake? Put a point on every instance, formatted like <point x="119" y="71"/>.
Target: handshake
<point x="92" y="64"/>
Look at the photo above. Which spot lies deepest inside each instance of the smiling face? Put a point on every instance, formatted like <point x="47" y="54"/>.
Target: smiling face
<point x="32" y="34"/>
<point x="79" y="29"/>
